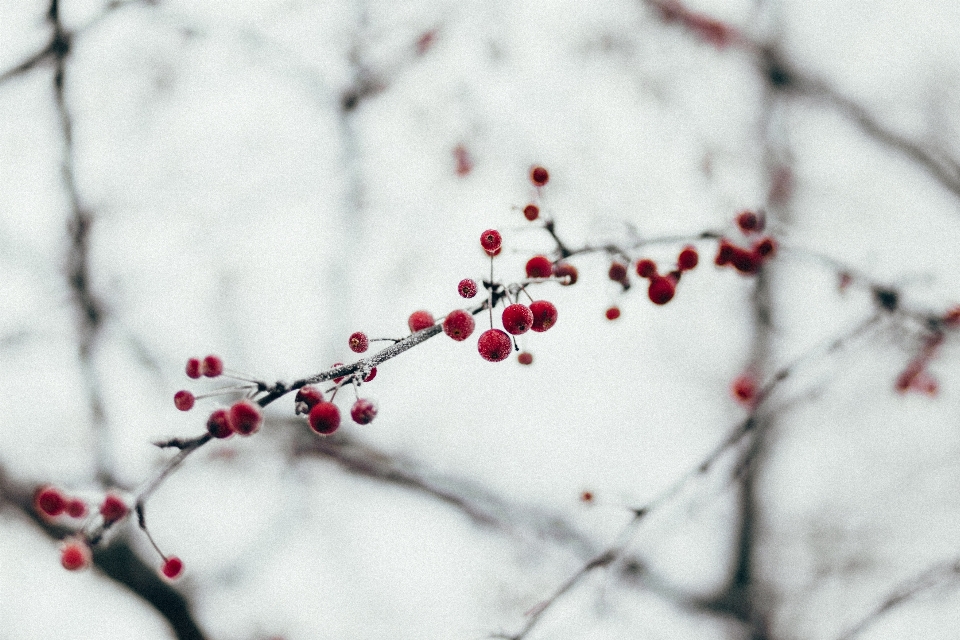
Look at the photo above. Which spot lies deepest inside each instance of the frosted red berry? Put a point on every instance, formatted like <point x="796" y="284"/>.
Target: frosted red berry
<point x="617" y="272"/>
<point x="750" y="222"/>
<point x="566" y="272"/>
<point x="646" y="267"/>
<point x="113" y="508"/>
<point x="494" y="345"/>
<point x="467" y="288"/>
<point x="50" y="501"/>
<point x="218" y="424"/>
<point x="245" y="417"/>
<point x="539" y="176"/>
<point x="324" y="418"/>
<point x="307" y="398"/>
<point x="613" y="313"/>
<point x="370" y="376"/>
<point x="359" y="342"/>
<point x="661" y="289"/>
<point x="334" y="366"/>
<point x="539" y="267"/>
<point x="75" y="555"/>
<point x="193" y="368"/>
<point x="212" y="366"/>
<point x="458" y="324"/>
<point x="525" y="358"/>
<point x="184" y="400"/>
<point x="688" y="258"/>
<point x="420" y="320"/>
<point x="490" y="240"/>
<point x="517" y="319"/>
<point x="544" y="315"/>
<point x="363" y="411"/>
<point x="531" y="212"/>
<point x="744" y="389"/>
<point x="76" y="508"/>
<point x="172" y="567"/>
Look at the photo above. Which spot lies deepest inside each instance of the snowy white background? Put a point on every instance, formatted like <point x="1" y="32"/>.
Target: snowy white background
<point x="239" y="207"/>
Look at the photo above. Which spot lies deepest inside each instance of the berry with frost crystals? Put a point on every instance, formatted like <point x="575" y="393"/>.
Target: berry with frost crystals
<point x="661" y="289"/>
<point x="494" y="345"/>
<point x="359" y="342"/>
<point x="218" y="424"/>
<point x="525" y="358"/>
<point x="363" y="411"/>
<point x="517" y="319"/>
<point x="544" y="315"/>
<point x="339" y="364"/>
<point x="420" y="320"/>
<point x="212" y="366"/>
<point x="245" y="417"/>
<point x="617" y="272"/>
<point x="744" y="389"/>
<point x="531" y="212"/>
<point x="74" y="555"/>
<point x="370" y="376"/>
<point x="646" y="268"/>
<point x="613" y="313"/>
<point x="113" y="508"/>
<point x="490" y="240"/>
<point x="183" y="400"/>
<point x="307" y="398"/>
<point x="172" y="567"/>
<point x="50" y="501"/>
<point x="539" y="267"/>
<point x="324" y="418"/>
<point x="539" y="176"/>
<point x="76" y="508"/>
<point x="458" y="325"/>
<point x="688" y="258"/>
<point x="193" y="368"/>
<point x="467" y="288"/>
<point x="566" y="272"/>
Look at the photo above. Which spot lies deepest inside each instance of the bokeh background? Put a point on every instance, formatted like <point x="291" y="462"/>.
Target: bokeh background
<point x="260" y="179"/>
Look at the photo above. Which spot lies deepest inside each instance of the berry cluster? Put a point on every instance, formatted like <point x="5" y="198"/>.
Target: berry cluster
<point x="51" y="502"/>
<point x="747" y="260"/>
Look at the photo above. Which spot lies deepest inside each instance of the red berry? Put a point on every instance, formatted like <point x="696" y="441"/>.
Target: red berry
<point x="324" y="418"/>
<point x="50" y="501"/>
<point x="193" y="368"/>
<point x="544" y="315"/>
<point x="490" y="240"/>
<point x="183" y="400"/>
<point x="517" y="319"/>
<point x="525" y="358"/>
<point x="359" y="342"/>
<point x="724" y="253"/>
<point x="531" y="212"/>
<point x="218" y="424"/>
<point x="245" y="417"/>
<point x="76" y="508"/>
<point x="586" y="496"/>
<point x="458" y="325"/>
<point x="765" y="247"/>
<point x="74" y="555"/>
<point x="307" y="398"/>
<point x="565" y="271"/>
<point x="334" y="366"/>
<point x="646" y="268"/>
<point x="539" y="267"/>
<point x="688" y="258"/>
<point x="212" y="366"/>
<point x="363" y="411"/>
<point x="744" y="389"/>
<point x="464" y="161"/>
<point x="172" y="567"/>
<point x="371" y="375"/>
<point x="745" y="261"/>
<point x="952" y="317"/>
<point x="467" y="288"/>
<point x="420" y="320"/>
<point x="661" y="289"/>
<point x="617" y="272"/>
<point x="539" y="176"/>
<point x="613" y="313"/>
<point x="494" y="345"/>
<point x="749" y="222"/>
<point x="113" y="508"/>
